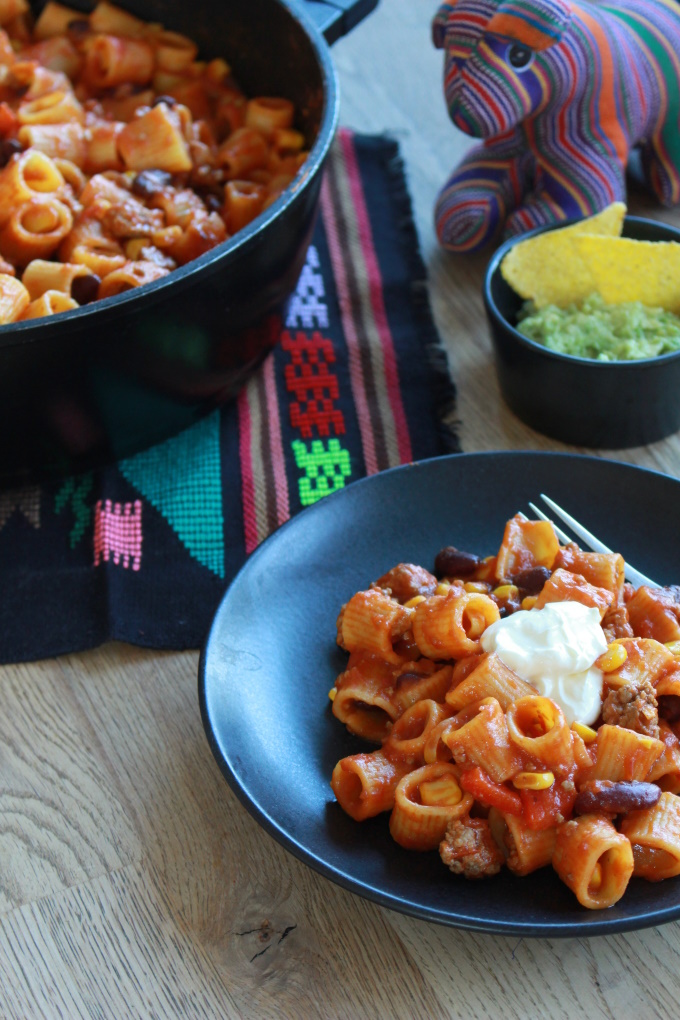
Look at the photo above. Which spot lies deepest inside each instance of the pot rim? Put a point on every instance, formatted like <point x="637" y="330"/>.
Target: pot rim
<point x="14" y="333"/>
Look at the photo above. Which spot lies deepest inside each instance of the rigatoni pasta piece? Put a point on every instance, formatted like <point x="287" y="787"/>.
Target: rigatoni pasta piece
<point x="173" y="52"/>
<point x="490" y="678"/>
<point x="526" y="544"/>
<point x="450" y="626"/>
<point x="645" y="659"/>
<point x="562" y="586"/>
<point x="654" y="834"/>
<point x="483" y="740"/>
<point x="373" y="622"/>
<point x="655" y="613"/>
<point x="54" y="20"/>
<point x="364" y="784"/>
<point x="50" y="303"/>
<point x="363" y="698"/>
<point x="526" y="849"/>
<point x="594" y="860"/>
<point x="155" y="141"/>
<point x="537" y="726"/>
<point x="108" y="18"/>
<point x="409" y="734"/>
<point x="425" y="801"/>
<point x="35" y="230"/>
<point x="58" y="141"/>
<point x="622" y="754"/>
<point x="420" y="680"/>
<point x="14" y="299"/>
<point x="57" y="54"/>
<point x="243" y="151"/>
<point x="26" y="176"/>
<point x="112" y="60"/>
<point x="10" y="9"/>
<point x="58" y="107"/>
<point x="130" y="276"/>
<point x="269" y="113"/>
<point x="603" y="570"/>
<point x="101" y="151"/>
<point x="41" y="275"/>
<point x="243" y="201"/>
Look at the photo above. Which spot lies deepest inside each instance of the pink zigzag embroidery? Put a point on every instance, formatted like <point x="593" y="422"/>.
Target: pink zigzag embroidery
<point x="118" y="533"/>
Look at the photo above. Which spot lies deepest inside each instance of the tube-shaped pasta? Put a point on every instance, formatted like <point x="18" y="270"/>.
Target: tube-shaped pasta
<point x="10" y="9"/>
<point x="41" y="276"/>
<point x="483" y="740"/>
<point x="102" y="147"/>
<point x="425" y="801"/>
<point x="416" y="683"/>
<point x="58" y="141"/>
<point x="653" y="614"/>
<point x="364" y="784"/>
<point x="526" y="849"/>
<point x="111" y="60"/>
<point x="243" y="151"/>
<point x="14" y="299"/>
<point x="668" y="763"/>
<point x="490" y="678"/>
<point x="655" y="837"/>
<point x="174" y="52"/>
<point x="35" y="230"/>
<point x="372" y="622"/>
<point x="155" y="141"/>
<point x="363" y="698"/>
<point x="243" y="201"/>
<point x="594" y="860"/>
<point x="410" y="732"/>
<point x="449" y="626"/>
<point x="110" y="19"/>
<point x="50" y="303"/>
<point x="526" y="544"/>
<point x="562" y="586"/>
<point x="623" y="754"/>
<point x="54" y="20"/>
<point x="604" y="570"/>
<point x="646" y="659"/>
<point x="129" y="276"/>
<point x="60" y="107"/>
<point x="537" y="726"/>
<point x="26" y="176"/>
<point x="267" y="113"/>
<point x="57" y="54"/>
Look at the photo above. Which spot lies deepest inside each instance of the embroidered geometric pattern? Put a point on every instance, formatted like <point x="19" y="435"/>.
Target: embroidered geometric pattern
<point x="73" y="493"/>
<point x="313" y="385"/>
<point x="118" y="533"/>
<point x="325" y="468"/>
<point x="306" y="308"/>
<point x="26" y="501"/>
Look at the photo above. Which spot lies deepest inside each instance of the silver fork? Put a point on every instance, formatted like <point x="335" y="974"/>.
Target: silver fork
<point x="632" y="575"/>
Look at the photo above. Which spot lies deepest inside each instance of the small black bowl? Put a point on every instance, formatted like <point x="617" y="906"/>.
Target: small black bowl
<point x="611" y="405"/>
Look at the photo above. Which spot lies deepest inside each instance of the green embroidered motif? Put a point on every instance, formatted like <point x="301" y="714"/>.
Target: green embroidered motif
<point x="325" y="465"/>
<point x="75" y="491"/>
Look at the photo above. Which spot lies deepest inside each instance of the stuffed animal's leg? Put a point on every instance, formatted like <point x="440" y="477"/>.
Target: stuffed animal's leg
<point x="552" y="203"/>
<point x="472" y="206"/>
<point x="661" y="171"/>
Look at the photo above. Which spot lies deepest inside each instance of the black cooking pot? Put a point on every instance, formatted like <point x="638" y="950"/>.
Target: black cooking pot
<point x="108" y="379"/>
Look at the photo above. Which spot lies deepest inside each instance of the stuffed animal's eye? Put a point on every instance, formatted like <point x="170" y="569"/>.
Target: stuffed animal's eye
<point x="519" y="56"/>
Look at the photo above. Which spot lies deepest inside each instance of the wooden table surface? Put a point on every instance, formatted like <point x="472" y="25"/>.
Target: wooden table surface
<point x="133" y="884"/>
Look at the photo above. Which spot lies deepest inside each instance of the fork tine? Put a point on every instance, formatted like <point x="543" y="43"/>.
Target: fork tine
<point x="632" y="575"/>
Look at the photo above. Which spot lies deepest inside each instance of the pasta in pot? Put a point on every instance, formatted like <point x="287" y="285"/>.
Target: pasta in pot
<point x="122" y="154"/>
<point x="479" y="692"/>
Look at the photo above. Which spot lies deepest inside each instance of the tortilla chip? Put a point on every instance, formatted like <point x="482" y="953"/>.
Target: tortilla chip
<point x="547" y="268"/>
<point x="626" y="270"/>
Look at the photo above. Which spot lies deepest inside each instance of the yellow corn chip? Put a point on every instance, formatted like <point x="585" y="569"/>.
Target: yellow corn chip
<point x="627" y="270"/>
<point x="545" y="268"/>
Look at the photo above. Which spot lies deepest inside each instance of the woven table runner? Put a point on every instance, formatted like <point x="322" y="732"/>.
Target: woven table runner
<point x="142" y="551"/>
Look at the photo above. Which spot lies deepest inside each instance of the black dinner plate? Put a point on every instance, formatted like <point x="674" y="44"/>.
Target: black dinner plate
<point x="271" y="658"/>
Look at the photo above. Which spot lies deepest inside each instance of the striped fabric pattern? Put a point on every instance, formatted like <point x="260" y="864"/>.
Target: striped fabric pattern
<point x="561" y="93"/>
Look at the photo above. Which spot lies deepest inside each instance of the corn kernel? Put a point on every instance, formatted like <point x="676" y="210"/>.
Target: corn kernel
<point x="506" y="591"/>
<point x="587" y="734"/>
<point x="674" y="647"/>
<point x="442" y="588"/>
<point x="533" y="780"/>
<point x="613" y="658"/>
<point x="332" y="693"/>
<point x="444" y="792"/>
<point x="415" y="601"/>
<point x="529" y="601"/>
<point x="476" y="587"/>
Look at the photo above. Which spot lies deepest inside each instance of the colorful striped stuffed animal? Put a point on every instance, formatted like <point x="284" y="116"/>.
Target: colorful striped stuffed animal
<point x="561" y="92"/>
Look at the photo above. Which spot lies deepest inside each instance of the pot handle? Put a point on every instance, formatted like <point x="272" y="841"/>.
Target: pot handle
<point x="334" y="18"/>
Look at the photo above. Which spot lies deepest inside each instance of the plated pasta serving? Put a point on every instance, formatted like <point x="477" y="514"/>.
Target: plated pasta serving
<point x="122" y="155"/>
<point x="524" y="710"/>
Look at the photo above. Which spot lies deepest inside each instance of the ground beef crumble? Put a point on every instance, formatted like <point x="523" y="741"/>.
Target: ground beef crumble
<point x="634" y="707"/>
<point x="469" y="849"/>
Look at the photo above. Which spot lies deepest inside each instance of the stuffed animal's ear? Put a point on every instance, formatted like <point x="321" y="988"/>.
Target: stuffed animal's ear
<point x="534" y="23"/>
<point x="439" y="25"/>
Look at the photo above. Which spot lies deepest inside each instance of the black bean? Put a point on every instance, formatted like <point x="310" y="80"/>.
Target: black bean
<point x="531" y="581"/>
<point x="168" y="100"/>
<point x="8" y="148"/>
<point x="150" y="182"/>
<point x="85" y="288"/>
<point x="602" y="795"/>
<point x="452" y="562"/>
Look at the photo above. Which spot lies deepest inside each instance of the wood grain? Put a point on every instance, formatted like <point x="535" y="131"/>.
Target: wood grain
<point x="132" y="882"/>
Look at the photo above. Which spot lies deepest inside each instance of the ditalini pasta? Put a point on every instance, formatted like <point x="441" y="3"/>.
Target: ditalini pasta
<point x="122" y="155"/>
<point x="525" y="710"/>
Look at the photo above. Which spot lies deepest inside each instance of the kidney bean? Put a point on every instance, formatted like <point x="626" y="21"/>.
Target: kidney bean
<point x="407" y="678"/>
<point x="150" y="182"/>
<point x="85" y="288"/>
<point x="8" y="148"/>
<point x="452" y="562"/>
<point x="602" y="795"/>
<point x="531" y="581"/>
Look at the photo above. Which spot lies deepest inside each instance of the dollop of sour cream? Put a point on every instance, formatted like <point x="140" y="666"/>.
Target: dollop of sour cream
<point x="554" y="649"/>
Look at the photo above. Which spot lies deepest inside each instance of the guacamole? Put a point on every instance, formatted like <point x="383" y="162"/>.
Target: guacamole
<point x="603" y="332"/>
